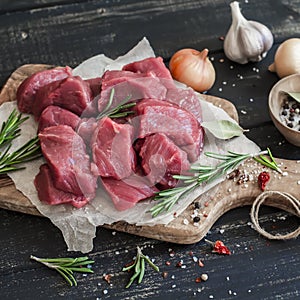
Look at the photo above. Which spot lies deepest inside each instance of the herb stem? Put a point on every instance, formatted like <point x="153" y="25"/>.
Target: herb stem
<point x="205" y="174"/>
<point x="67" y="266"/>
<point x="139" y="267"/>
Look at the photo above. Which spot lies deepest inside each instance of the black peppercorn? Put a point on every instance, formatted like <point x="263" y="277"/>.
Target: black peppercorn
<point x="197" y="205"/>
<point x="196" y="219"/>
<point x="290" y="125"/>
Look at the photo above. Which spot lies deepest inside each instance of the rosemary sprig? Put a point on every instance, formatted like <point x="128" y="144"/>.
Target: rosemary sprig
<point x="168" y="198"/>
<point x="67" y="266"/>
<point x="119" y="111"/>
<point x="139" y="267"/>
<point x="10" y="161"/>
<point x="10" y="128"/>
<point x="268" y="163"/>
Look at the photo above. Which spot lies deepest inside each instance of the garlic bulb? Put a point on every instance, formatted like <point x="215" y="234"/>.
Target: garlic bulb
<point x="287" y="58"/>
<point x="246" y="40"/>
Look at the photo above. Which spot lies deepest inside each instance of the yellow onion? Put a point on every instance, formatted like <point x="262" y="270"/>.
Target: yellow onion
<point x="193" y="68"/>
<point x="287" y="58"/>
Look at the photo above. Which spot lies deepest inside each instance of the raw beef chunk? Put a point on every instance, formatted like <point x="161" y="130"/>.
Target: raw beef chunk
<point x="126" y="193"/>
<point x="95" y="85"/>
<point x="28" y="88"/>
<point x="178" y="124"/>
<point x="134" y="89"/>
<point x="49" y="194"/>
<point x="161" y="159"/>
<point x="86" y="128"/>
<point x="186" y="99"/>
<point x="55" y="115"/>
<point x="112" y="150"/>
<point x="65" y="153"/>
<point x="71" y="93"/>
<point x="153" y="65"/>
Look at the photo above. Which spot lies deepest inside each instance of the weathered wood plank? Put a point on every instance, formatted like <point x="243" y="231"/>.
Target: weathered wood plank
<point x="77" y="31"/>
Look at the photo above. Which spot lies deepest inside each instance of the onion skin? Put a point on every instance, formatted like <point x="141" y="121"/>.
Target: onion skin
<point x="287" y="58"/>
<point x="193" y="68"/>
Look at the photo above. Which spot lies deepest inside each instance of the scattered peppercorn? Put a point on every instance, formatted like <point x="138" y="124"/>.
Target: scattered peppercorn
<point x="196" y="219"/>
<point x="197" y="205"/>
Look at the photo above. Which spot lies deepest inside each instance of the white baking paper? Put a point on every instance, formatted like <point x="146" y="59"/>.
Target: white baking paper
<point x="78" y="226"/>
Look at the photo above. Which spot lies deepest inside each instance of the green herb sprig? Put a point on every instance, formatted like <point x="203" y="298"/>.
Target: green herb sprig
<point x="67" y="266"/>
<point x="204" y="174"/>
<point x="119" y="111"/>
<point x="267" y="162"/>
<point x="11" y="161"/>
<point x="10" y="128"/>
<point x="139" y="267"/>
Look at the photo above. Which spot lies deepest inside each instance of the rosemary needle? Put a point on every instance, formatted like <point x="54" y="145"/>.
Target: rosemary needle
<point x="10" y="128"/>
<point x="139" y="267"/>
<point x="66" y="266"/>
<point x="11" y="161"/>
<point x="118" y="112"/>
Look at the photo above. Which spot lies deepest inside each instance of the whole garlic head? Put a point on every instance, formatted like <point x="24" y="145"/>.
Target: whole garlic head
<point x="246" y="40"/>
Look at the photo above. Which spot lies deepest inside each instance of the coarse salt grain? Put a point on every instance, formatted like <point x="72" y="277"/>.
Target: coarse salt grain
<point x="298" y="182"/>
<point x="105" y="292"/>
<point x="285" y="174"/>
<point x="204" y="276"/>
<point x="243" y="112"/>
<point x="185" y="221"/>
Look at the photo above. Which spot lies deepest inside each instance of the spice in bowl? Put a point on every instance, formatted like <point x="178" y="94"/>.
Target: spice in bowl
<point x="284" y="107"/>
<point x="290" y="113"/>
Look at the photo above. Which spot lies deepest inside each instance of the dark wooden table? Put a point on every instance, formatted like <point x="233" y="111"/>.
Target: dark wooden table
<point x="65" y="33"/>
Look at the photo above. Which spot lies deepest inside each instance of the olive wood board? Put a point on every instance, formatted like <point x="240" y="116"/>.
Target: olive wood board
<point x="227" y="195"/>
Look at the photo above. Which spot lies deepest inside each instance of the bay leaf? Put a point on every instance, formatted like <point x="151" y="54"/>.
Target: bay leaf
<point x="223" y="129"/>
<point x="295" y="96"/>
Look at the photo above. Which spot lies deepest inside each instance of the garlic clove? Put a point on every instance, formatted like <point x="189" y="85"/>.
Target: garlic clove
<point x="246" y="40"/>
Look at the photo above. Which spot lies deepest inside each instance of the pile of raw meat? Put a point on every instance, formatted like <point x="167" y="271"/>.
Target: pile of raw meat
<point x="132" y="157"/>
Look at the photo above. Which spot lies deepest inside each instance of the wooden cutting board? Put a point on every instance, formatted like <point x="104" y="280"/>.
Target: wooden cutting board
<point x="229" y="194"/>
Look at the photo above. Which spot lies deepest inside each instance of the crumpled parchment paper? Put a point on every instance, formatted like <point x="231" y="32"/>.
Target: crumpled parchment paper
<point x="78" y="226"/>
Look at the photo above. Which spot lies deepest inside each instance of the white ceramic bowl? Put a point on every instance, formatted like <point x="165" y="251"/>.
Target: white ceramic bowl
<point x="276" y="99"/>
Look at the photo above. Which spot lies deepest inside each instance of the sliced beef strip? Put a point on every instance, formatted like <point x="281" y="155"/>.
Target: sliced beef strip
<point x="28" y="88"/>
<point x="161" y="159"/>
<point x="65" y="153"/>
<point x="126" y="193"/>
<point x="152" y="65"/>
<point x="49" y="194"/>
<point x="71" y="93"/>
<point x="178" y="124"/>
<point x="55" y="115"/>
<point x="112" y="149"/>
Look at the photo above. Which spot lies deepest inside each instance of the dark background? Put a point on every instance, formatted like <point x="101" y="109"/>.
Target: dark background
<point x="68" y="32"/>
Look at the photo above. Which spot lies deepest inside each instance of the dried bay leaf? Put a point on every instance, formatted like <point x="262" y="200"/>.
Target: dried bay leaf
<point x="295" y="96"/>
<point x="223" y="129"/>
